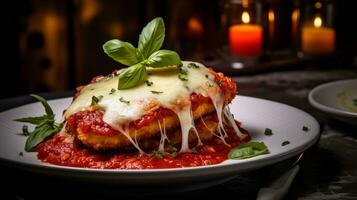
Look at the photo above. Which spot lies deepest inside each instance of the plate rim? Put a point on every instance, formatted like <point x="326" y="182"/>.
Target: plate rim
<point x="329" y="109"/>
<point x="249" y="165"/>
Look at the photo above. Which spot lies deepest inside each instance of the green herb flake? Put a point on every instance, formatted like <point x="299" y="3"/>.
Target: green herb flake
<point x="158" y="154"/>
<point x="112" y="91"/>
<point x="25" y="130"/>
<point x="354" y="102"/>
<point x="268" y="132"/>
<point x="305" y="128"/>
<point x="194" y="150"/>
<point x="193" y="65"/>
<point x="285" y="143"/>
<point x="95" y="100"/>
<point x="183" y="77"/>
<point x="171" y="147"/>
<point x="207" y="76"/>
<point x="156" y="92"/>
<point x="149" y="83"/>
<point x="173" y="154"/>
<point x="121" y="99"/>
<point x="219" y="82"/>
<point x="248" y="150"/>
<point x="209" y="83"/>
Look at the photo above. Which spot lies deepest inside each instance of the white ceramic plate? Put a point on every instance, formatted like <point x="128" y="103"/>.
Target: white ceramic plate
<point x="337" y="99"/>
<point x="255" y="114"/>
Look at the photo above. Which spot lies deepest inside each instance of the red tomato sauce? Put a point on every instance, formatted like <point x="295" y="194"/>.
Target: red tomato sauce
<point x="59" y="152"/>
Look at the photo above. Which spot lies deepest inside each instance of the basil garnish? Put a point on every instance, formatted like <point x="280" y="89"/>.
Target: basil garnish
<point x="248" y="150"/>
<point x="45" y="125"/>
<point x="148" y="54"/>
<point x="132" y="76"/>
<point x="163" y="58"/>
<point x="120" y="51"/>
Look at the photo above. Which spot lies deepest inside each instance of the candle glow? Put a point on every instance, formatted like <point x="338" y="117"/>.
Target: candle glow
<point x="245" y="39"/>
<point x="318" y="40"/>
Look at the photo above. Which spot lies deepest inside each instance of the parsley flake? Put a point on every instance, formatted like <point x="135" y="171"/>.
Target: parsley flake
<point x="219" y="82"/>
<point x="156" y="92"/>
<point x="112" y="91"/>
<point x="268" y="132"/>
<point x="124" y="101"/>
<point x="285" y="143"/>
<point x="95" y="100"/>
<point x="305" y="128"/>
<point x="149" y="83"/>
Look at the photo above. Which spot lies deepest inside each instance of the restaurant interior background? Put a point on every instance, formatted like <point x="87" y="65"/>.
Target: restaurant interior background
<point x="57" y="45"/>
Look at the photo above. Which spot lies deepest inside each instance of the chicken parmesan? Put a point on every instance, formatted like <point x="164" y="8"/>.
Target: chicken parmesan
<point x="159" y="112"/>
<point x="189" y="118"/>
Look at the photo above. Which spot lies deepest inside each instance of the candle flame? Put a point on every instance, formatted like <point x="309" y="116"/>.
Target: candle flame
<point x="245" y="17"/>
<point x="317" y="22"/>
<point x="318" y="5"/>
<point x="271" y="15"/>
<point x="295" y="15"/>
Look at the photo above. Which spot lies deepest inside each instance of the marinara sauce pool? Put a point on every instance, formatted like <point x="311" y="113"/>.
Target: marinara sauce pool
<point x="57" y="150"/>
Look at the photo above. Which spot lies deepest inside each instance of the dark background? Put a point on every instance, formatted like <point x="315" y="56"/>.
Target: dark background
<point x="56" y="45"/>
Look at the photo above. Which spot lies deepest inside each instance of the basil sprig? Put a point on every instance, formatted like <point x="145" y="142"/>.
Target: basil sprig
<point x="45" y="125"/>
<point x="148" y="54"/>
<point x="248" y="150"/>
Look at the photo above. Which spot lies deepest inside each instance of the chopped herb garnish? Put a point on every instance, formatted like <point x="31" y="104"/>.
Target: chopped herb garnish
<point x="173" y="154"/>
<point x="192" y="65"/>
<point x="25" y="130"/>
<point x="219" y="82"/>
<point x="305" y="128"/>
<point x="21" y="154"/>
<point x="112" y="91"/>
<point x="170" y="147"/>
<point x="182" y="77"/>
<point x="92" y="89"/>
<point x="123" y="100"/>
<point x="156" y="92"/>
<point x="194" y="150"/>
<point x="285" y="143"/>
<point x="268" y="132"/>
<point x="95" y="100"/>
<point x="158" y="154"/>
<point x="354" y="102"/>
<point x="149" y="83"/>
<point x="209" y="83"/>
<point x="206" y="76"/>
<point x="248" y="150"/>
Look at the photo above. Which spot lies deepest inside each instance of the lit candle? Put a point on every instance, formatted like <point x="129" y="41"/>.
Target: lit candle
<point x="245" y="39"/>
<point x="318" y="40"/>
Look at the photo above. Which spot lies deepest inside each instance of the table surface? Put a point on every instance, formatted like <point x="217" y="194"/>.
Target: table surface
<point x="328" y="169"/>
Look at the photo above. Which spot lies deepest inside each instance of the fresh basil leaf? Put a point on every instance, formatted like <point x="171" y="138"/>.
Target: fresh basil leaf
<point x="40" y="133"/>
<point x="163" y="58"/>
<point x="48" y="109"/>
<point x="35" y="120"/>
<point x="248" y="150"/>
<point x="151" y="38"/>
<point x="122" y="52"/>
<point x="132" y="76"/>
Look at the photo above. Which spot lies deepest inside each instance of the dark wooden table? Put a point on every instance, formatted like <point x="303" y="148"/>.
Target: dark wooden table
<point x="328" y="169"/>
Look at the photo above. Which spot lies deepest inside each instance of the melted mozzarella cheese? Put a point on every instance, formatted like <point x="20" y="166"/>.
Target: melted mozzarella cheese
<point x="167" y="91"/>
